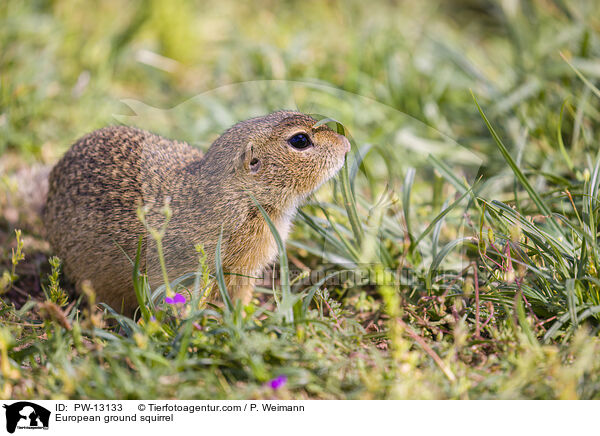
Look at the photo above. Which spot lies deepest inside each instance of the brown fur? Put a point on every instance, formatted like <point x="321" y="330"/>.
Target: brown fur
<point x="97" y="187"/>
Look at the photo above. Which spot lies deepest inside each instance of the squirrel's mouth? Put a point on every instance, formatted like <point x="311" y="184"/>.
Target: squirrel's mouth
<point x="333" y="170"/>
<point x="339" y="166"/>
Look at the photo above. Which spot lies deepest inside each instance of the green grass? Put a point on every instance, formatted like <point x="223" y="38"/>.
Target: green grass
<point x="470" y="199"/>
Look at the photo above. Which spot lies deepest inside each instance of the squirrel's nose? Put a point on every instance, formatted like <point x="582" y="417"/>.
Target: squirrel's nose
<point x="345" y="144"/>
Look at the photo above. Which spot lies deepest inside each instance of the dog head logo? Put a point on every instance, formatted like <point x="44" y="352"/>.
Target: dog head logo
<point x="26" y="415"/>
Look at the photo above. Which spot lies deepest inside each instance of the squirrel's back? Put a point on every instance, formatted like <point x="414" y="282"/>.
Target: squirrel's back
<point x="103" y="179"/>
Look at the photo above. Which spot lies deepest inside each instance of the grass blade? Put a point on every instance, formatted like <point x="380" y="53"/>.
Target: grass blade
<point x="287" y="302"/>
<point x="440" y="216"/>
<point x="589" y="84"/>
<point x="350" y="204"/>
<point x="561" y="144"/>
<point x="221" y="276"/>
<point x="518" y="173"/>
<point x="139" y="284"/>
<point x="409" y="179"/>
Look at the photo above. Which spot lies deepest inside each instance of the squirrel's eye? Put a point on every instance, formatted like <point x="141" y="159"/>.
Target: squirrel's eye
<point x="299" y="141"/>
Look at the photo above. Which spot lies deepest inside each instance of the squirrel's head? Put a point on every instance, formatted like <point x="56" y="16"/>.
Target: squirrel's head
<point x="282" y="157"/>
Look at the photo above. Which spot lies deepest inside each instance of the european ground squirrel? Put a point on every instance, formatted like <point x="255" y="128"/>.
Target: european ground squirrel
<point x="95" y="191"/>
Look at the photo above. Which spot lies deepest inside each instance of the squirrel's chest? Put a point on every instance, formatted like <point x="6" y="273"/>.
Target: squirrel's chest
<point x="254" y="247"/>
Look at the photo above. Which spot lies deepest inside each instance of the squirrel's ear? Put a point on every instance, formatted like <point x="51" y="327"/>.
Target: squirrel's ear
<point x="246" y="155"/>
<point x="250" y="161"/>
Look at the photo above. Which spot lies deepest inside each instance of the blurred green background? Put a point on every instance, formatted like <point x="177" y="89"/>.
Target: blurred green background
<point x="65" y="65"/>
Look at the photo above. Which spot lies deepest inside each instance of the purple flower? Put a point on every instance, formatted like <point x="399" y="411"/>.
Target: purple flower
<point x="177" y="298"/>
<point x="278" y="382"/>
